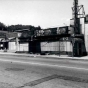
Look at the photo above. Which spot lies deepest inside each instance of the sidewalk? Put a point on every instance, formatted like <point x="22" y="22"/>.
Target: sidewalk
<point x="45" y="56"/>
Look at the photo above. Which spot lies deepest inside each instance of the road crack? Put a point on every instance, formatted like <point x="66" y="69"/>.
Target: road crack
<point x="69" y="78"/>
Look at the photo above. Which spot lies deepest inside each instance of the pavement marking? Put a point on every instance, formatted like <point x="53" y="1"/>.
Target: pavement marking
<point x="44" y="64"/>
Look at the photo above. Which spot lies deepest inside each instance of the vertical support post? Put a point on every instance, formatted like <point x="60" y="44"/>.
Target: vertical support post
<point x="17" y="44"/>
<point x="34" y="47"/>
<point x="59" y="48"/>
<point x="66" y="47"/>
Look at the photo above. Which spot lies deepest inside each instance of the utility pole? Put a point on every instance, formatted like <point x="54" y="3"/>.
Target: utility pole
<point x="76" y="25"/>
<point x="75" y="17"/>
<point x="77" y="37"/>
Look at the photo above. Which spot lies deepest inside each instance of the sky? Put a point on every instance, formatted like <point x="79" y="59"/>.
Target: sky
<point x="43" y="13"/>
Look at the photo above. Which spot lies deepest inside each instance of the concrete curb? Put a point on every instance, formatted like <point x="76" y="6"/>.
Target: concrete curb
<point x="46" y="56"/>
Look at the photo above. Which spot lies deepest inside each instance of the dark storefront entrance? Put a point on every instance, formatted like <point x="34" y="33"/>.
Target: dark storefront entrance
<point x="3" y="45"/>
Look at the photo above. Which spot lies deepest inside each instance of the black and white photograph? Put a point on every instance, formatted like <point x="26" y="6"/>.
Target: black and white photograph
<point x="43" y="43"/>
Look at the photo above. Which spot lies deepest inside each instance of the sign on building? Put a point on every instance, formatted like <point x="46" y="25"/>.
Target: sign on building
<point x="62" y="30"/>
<point x="70" y="30"/>
<point x="72" y="22"/>
<point x="86" y="19"/>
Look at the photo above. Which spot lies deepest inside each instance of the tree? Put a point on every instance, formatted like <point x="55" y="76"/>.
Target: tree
<point x="2" y="27"/>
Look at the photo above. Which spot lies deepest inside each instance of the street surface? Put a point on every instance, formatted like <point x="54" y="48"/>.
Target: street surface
<point x="35" y="72"/>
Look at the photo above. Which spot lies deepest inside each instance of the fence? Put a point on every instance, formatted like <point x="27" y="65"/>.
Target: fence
<point x="23" y="47"/>
<point x="59" y="47"/>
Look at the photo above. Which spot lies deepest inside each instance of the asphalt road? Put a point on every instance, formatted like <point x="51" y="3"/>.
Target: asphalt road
<point x="34" y="72"/>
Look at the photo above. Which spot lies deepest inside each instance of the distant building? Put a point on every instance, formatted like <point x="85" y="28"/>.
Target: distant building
<point x="8" y="40"/>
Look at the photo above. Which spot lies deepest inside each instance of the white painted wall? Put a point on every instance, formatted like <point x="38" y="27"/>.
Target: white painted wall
<point x="23" y="47"/>
<point x="85" y="32"/>
<point x="12" y="46"/>
<point x="54" y="46"/>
